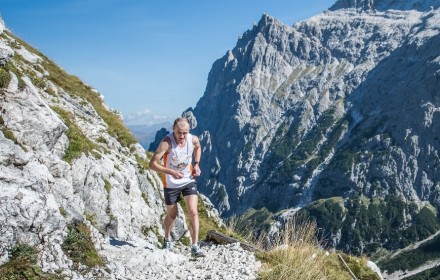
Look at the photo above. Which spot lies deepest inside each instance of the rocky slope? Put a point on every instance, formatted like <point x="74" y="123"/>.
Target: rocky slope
<point x="66" y="159"/>
<point x="336" y="115"/>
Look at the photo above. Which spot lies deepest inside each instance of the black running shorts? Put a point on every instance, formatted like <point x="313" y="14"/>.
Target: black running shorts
<point x="172" y="195"/>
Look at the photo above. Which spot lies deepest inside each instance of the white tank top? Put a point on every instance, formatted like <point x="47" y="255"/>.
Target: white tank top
<point x="179" y="158"/>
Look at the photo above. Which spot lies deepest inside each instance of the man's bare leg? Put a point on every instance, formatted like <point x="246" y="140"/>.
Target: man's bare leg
<point x="193" y="214"/>
<point x="168" y="222"/>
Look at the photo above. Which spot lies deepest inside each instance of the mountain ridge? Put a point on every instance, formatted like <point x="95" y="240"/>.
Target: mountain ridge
<point x="383" y="5"/>
<point x="323" y="109"/>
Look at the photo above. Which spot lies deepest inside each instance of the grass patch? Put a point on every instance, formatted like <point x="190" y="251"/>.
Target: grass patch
<point x="90" y="218"/>
<point x="5" y="78"/>
<point x="78" y="142"/>
<point x="155" y="230"/>
<point x="49" y="90"/>
<point x="101" y="139"/>
<point x="11" y="67"/>
<point x="38" y="82"/>
<point x="142" y="164"/>
<point x="9" y="134"/>
<point x="63" y="212"/>
<point x="107" y="186"/>
<point x="23" y="265"/>
<point x="295" y="253"/>
<point x="79" y="247"/>
<point x="145" y="197"/>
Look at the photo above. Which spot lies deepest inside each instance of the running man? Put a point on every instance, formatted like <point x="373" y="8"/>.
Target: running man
<point x="178" y="176"/>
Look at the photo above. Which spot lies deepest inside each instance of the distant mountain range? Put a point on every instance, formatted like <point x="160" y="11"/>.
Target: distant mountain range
<point x="145" y="134"/>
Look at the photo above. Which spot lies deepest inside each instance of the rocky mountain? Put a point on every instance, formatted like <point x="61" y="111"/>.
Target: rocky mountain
<point x="77" y="200"/>
<point x="335" y="117"/>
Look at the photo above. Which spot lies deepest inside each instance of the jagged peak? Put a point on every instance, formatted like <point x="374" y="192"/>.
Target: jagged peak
<point x="382" y="5"/>
<point x="267" y="19"/>
<point x="266" y="23"/>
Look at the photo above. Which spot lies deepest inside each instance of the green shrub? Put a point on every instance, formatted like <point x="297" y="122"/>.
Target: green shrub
<point x="101" y="139"/>
<point x="63" y="212"/>
<point x="90" y="218"/>
<point x="146" y="230"/>
<point x="9" y="134"/>
<point x="50" y="91"/>
<point x="142" y="164"/>
<point x="78" y="142"/>
<point x="5" y="78"/>
<point x="145" y="197"/>
<point x="79" y="247"/>
<point x="38" y="82"/>
<point x="23" y="265"/>
<point x="107" y="186"/>
<point x="11" y="67"/>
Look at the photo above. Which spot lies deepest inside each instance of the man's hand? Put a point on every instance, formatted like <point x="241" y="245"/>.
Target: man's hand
<point x="196" y="170"/>
<point x="176" y="174"/>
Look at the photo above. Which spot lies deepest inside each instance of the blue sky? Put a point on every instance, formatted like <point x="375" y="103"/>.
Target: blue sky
<point x="150" y="59"/>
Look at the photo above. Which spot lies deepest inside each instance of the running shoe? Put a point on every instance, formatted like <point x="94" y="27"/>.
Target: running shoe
<point x="196" y="252"/>
<point x="168" y="244"/>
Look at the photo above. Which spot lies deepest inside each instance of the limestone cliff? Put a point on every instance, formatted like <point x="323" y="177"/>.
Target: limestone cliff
<point x="336" y="115"/>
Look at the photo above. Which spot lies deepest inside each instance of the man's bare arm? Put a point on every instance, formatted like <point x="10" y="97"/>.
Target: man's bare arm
<point x="197" y="155"/>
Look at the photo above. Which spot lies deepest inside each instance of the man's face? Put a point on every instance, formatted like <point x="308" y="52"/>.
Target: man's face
<point x="180" y="131"/>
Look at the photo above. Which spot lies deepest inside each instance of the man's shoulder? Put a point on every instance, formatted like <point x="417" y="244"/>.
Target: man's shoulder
<point x="195" y="139"/>
<point x="166" y="141"/>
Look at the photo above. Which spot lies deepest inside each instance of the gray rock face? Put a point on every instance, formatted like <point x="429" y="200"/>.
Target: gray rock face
<point x="343" y="103"/>
<point x="40" y="192"/>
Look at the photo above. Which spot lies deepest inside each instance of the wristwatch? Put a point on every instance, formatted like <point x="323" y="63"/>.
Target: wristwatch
<point x="197" y="162"/>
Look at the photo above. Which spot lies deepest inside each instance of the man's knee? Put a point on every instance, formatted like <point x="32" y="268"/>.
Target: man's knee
<point x="193" y="213"/>
<point x="171" y="216"/>
<point x="172" y="212"/>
